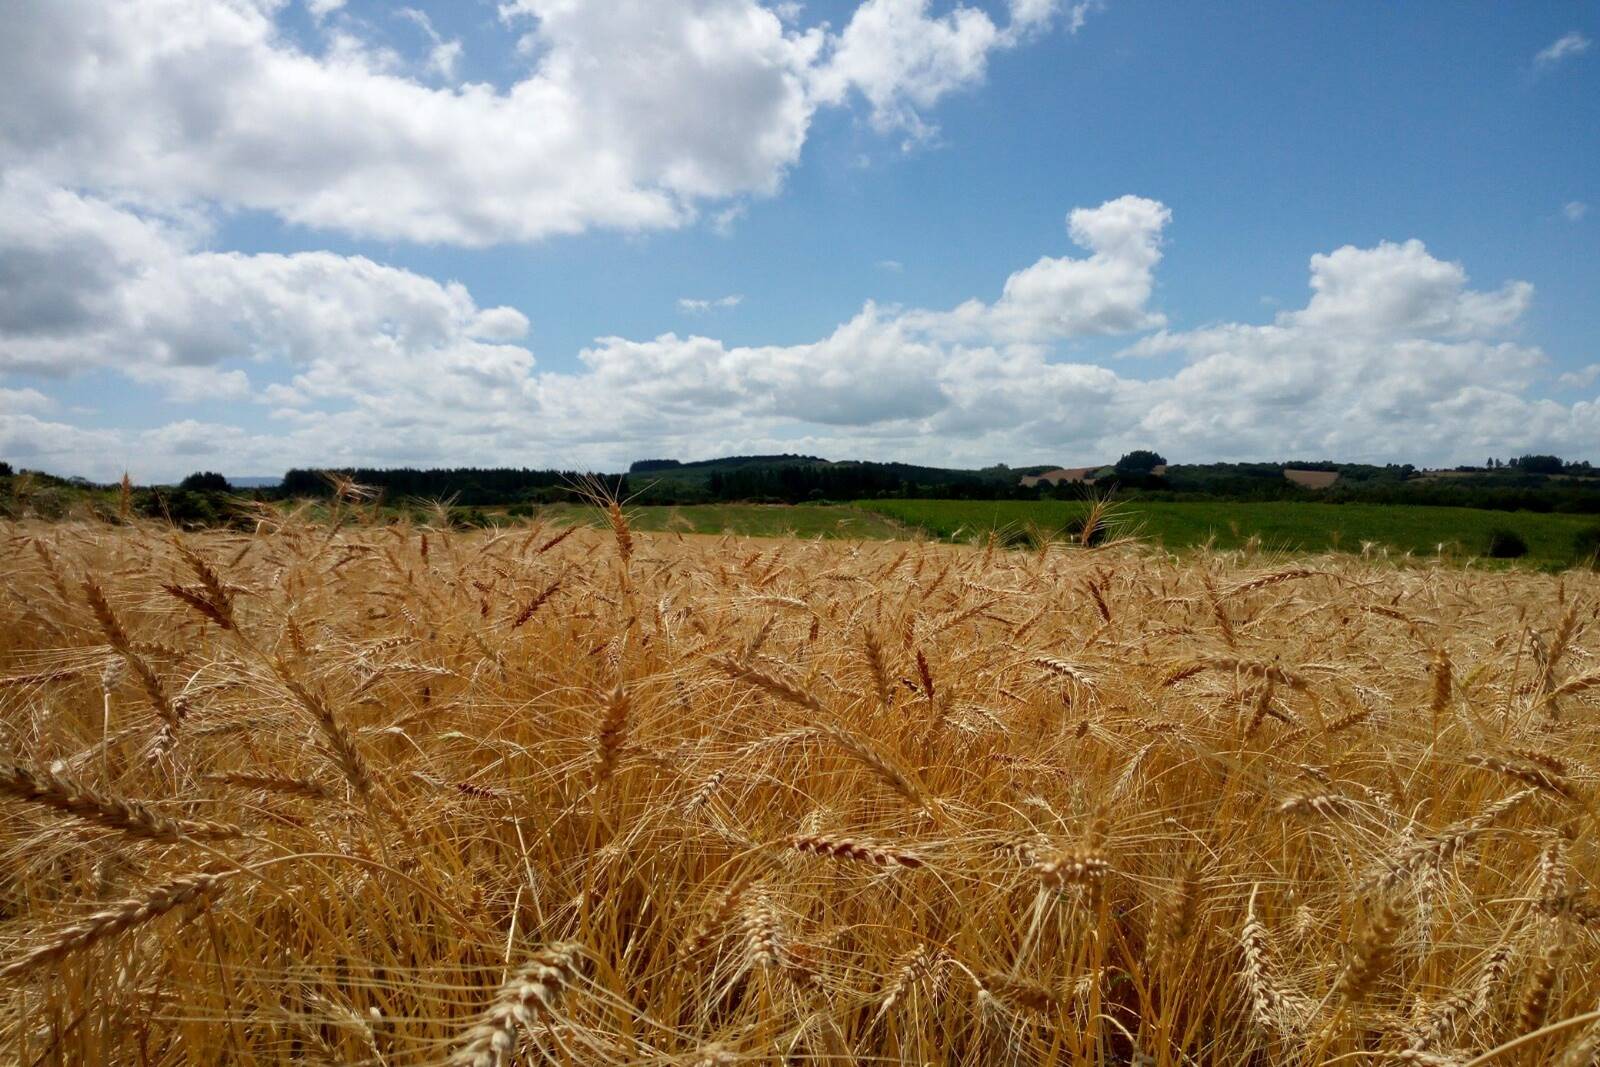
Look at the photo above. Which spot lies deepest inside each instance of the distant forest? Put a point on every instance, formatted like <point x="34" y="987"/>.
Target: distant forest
<point x="1531" y="483"/>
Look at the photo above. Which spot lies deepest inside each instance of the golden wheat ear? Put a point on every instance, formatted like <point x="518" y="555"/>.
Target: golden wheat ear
<point x="598" y="493"/>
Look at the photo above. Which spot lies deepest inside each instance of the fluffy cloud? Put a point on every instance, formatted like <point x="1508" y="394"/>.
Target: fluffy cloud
<point x="1400" y="290"/>
<point x="29" y="400"/>
<point x="1582" y="378"/>
<point x="85" y="284"/>
<point x="1057" y="298"/>
<point x="632" y="114"/>
<point x="1394" y="353"/>
<point x="902" y="60"/>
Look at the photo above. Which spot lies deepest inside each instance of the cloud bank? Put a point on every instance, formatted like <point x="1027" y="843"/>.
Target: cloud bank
<point x="1393" y="353"/>
<point x="627" y="115"/>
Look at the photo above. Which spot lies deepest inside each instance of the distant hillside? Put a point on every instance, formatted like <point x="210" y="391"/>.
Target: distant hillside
<point x="793" y="478"/>
<point x="1529" y="483"/>
<point x="652" y="466"/>
<point x="1546" y="485"/>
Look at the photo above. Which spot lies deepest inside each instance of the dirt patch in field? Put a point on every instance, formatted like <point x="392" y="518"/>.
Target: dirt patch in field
<point x="1311" y="479"/>
<point x="1079" y="475"/>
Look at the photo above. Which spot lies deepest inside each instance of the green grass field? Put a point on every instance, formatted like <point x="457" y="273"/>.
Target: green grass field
<point x="1289" y="526"/>
<point x="1281" y="526"/>
<point x="753" y="520"/>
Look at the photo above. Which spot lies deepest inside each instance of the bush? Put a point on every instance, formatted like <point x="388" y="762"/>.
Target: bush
<point x="1586" y="548"/>
<point x="1073" y="531"/>
<point x="180" y="506"/>
<point x="205" y="482"/>
<point x="1539" y="464"/>
<point x="1506" y="544"/>
<point x="1140" y="461"/>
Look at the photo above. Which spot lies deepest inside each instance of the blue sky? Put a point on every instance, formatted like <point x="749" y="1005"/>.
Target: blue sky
<point x="301" y="233"/>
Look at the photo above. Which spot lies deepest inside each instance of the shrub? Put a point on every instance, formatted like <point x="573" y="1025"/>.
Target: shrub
<point x="179" y="506"/>
<point x="1140" y="461"/>
<point x="1073" y="531"/>
<point x="1506" y="544"/>
<point x="1538" y="464"/>
<point x="205" y="482"/>
<point x="1586" y="547"/>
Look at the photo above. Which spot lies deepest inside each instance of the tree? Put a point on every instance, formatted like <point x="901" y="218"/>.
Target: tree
<point x="205" y="482"/>
<point x="182" y="506"/>
<point x="1538" y="464"/>
<point x="5" y="469"/>
<point x="1140" y="461"/>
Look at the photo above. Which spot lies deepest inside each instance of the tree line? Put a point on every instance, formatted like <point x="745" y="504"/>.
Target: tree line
<point x="1531" y="483"/>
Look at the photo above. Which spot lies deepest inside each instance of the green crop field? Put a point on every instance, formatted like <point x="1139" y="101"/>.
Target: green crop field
<point x="753" y="520"/>
<point x="1289" y="526"/>
<point x="1279" y="525"/>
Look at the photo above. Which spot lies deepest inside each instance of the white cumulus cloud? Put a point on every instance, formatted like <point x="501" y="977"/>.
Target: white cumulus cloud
<point x="630" y="114"/>
<point x="1106" y="292"/>
<point x="1582" y="378"/>
<point x="633" y="113"/>
<point x="85" y="284"/>
<point x="903" y="59"/>
<point x="1394" y="353"/>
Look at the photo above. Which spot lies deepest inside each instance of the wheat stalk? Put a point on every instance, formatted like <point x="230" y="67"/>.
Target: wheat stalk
<point x="115" y="920"/>
<point x="51" y="790"/>
<point x="529" y="996"/>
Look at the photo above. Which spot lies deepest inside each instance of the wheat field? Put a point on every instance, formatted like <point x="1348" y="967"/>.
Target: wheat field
<point x="351" y="793"/>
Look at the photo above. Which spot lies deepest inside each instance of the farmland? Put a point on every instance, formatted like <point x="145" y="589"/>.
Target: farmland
<point x="396" y="794"/>
<point x="749" y="520"/>
<point x="1282" y="525"/>
<point x="1396" y="529"/>
<point x="1287" y="527"/>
